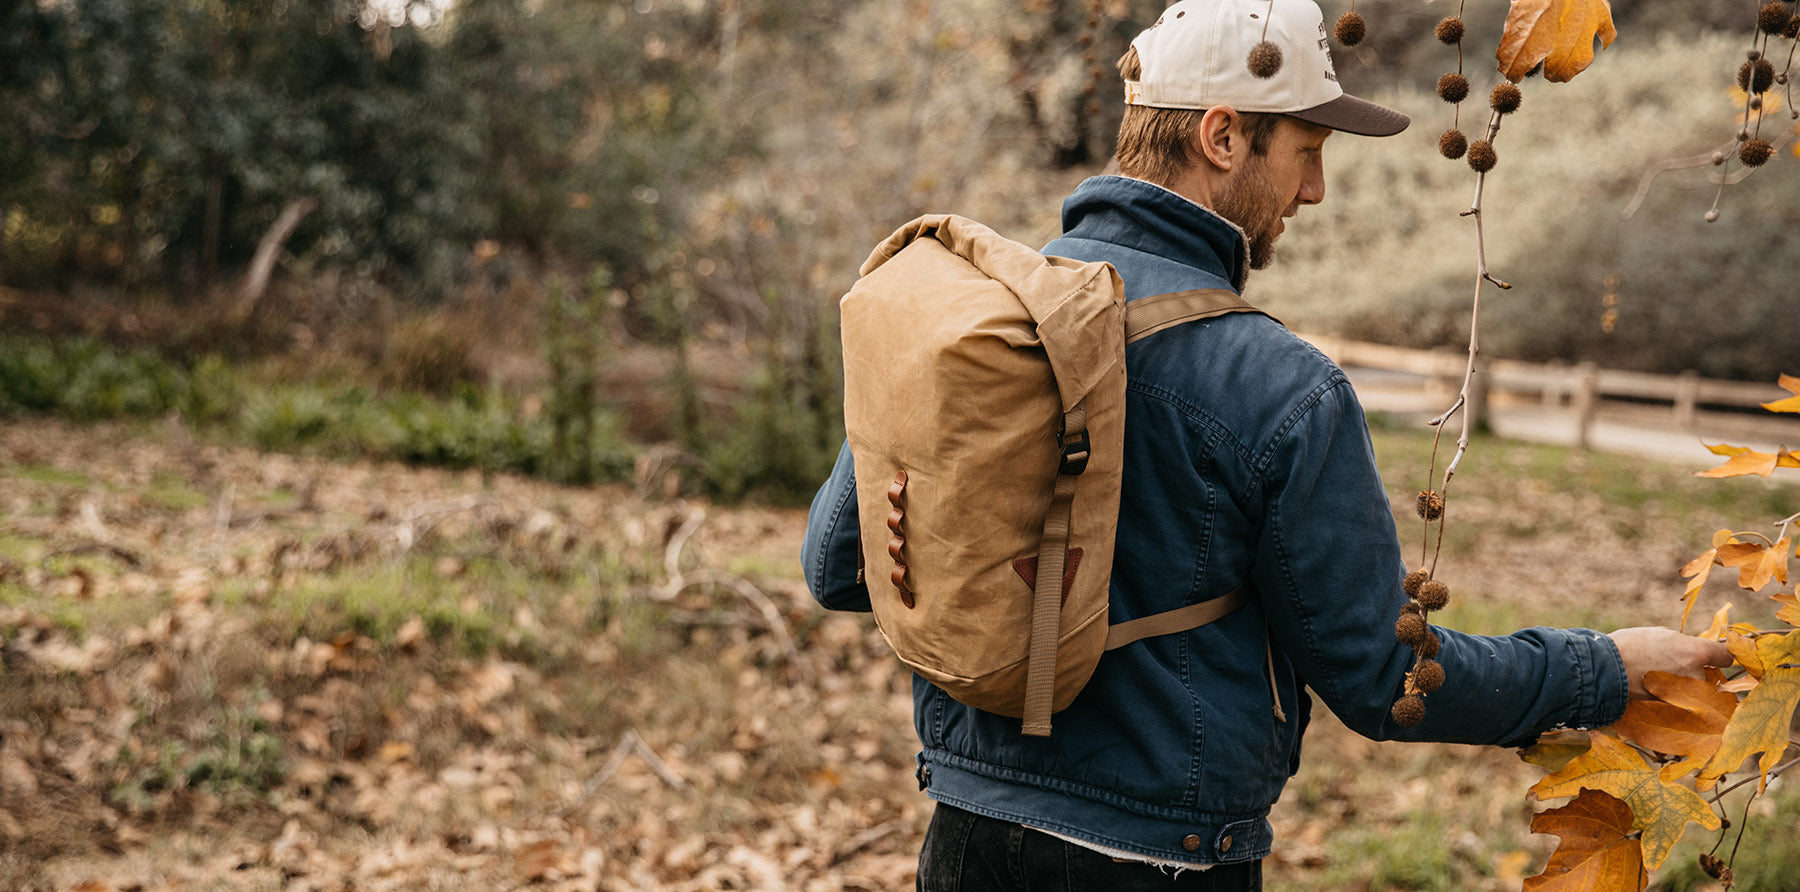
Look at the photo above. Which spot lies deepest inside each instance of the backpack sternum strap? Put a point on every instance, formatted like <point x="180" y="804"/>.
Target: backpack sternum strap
<point x="1046" y="598"/>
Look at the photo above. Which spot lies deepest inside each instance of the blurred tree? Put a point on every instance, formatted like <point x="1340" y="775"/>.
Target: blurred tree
<point x="163" y="137"/>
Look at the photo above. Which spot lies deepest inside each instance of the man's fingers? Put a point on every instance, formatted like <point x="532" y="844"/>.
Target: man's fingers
<point x="1656" y="649"/>
<point x="1717" y="654"/>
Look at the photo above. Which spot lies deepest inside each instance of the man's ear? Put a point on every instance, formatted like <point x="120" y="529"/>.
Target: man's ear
<point x="1220" y="137"/>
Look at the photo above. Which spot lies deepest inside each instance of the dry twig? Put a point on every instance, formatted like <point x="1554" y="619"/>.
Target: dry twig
<point x="633" y="742"/>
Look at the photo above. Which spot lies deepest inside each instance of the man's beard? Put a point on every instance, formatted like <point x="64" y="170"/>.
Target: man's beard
<point x="1249" y="200"/>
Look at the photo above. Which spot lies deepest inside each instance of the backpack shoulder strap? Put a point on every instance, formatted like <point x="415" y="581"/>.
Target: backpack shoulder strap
<point x="1148" y="315"/>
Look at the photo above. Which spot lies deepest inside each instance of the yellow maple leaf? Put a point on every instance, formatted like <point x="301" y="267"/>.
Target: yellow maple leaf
<point x="1760" y="724"/>
<point x="1743" y="464"/>
<point x="1597" y="851"/>
<point x="1720" y="622"/>
<point x="1790" y="607"/>
<point x="1792" y="385"/>
<point x="1696" y="572"/>
<point x="1756" y="564"/>
<point x="1686" y="719"/>
<point x="1558" y="33"/>
<point x="1661" y="808"/>
<point x="1743" y="649"/>
<point x="1553" y="751"/>
<point x="1724" y="448"/>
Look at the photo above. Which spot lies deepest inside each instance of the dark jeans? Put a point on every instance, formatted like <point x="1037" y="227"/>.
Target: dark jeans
<point x="966" y="852"/>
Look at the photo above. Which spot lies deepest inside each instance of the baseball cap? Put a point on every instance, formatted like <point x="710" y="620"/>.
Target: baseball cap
<point x="1196" y="56"/>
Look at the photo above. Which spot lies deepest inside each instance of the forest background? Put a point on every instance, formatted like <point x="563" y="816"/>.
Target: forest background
<point x="601" y="243"/>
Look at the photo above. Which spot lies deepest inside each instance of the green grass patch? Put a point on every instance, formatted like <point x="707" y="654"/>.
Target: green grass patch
<point x="84" y="379"/>
<point x="1415" y="855"/>
<point x="50" y="475"/>
<point x="237" y="757"/>
<point x="377" y="600"/>
<point x="1482" y="615"/>
<point x="171" y="492"/>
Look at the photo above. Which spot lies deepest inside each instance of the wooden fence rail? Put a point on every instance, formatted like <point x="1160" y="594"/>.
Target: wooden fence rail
<point x="1581" y="386"/>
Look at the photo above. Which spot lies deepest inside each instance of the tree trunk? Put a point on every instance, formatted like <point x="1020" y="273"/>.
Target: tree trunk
<point x="209" y="241"/>
<point x="256" y="280"/>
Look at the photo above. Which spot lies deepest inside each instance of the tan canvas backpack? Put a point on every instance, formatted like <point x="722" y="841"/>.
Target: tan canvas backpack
<point x="984" y="397"/>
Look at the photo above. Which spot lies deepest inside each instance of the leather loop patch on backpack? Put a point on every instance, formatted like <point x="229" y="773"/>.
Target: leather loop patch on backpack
<point x="897" y="545"/>
<point x="1026" y="567"/>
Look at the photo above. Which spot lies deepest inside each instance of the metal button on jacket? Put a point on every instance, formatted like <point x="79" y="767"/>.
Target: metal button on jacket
<point x="1190" y="842"/>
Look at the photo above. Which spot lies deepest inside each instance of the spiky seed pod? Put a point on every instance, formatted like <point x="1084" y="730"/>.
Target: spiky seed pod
<point x="1428" y="648"/>
<point x="1773" y="17"/>
<point x="1410" y="629"/>
<point x="1265" y="59"/>
<point x="1755" y="77"/>
<point x="1793" y="28"/>
<point x="1351" y="28"/>
<point x="1453" y="144"/>
<point x="1411" y="607"/>
<point x="1482" y="157"/>
<point x="1505" y="98"/>
<point x="1431" y="502"/>
<point x="1434" y="595"/>
<point x="1413" y="580"/>
<point x="1453" y="88"/>
<point x="1408" y="710"/>
<point x="1450" y="31"/>
<point x="1755" y="152"/>
<point x="1710" y="863"/>
<point x="1429" y="676"/>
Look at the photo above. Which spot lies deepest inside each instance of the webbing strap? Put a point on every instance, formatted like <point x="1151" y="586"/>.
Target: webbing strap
<point x="1046" y="599"/>
<point x="1148" y="315"/>
<point x="1180" y="619"/>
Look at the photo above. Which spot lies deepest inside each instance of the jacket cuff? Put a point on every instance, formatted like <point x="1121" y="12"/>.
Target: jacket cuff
<point x="1605" y="688"/>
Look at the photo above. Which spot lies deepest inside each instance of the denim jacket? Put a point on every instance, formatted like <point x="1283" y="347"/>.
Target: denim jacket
<point x="1247" y="459"/>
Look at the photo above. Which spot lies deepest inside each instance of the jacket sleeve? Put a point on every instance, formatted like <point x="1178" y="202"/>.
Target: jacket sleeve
<point x="1329" y="568"/>
<point x="828" y="556"/>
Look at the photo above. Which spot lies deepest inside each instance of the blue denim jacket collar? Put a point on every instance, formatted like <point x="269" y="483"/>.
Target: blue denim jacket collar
<point x="1143" y="216"/>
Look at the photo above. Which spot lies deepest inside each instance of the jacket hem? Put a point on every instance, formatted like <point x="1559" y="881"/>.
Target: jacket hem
<point x="1215" y="837"/>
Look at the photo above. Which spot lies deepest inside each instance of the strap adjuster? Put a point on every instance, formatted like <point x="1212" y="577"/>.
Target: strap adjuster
<point x="1074" y="453"/>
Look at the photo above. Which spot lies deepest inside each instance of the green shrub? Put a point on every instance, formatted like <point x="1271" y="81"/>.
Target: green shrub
<point x="290" y="418"/>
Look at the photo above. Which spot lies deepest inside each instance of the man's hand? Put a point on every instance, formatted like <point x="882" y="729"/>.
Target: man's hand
<point x="1656" y="649"/>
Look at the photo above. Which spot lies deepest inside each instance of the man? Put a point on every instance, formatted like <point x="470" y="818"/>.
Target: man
<point x="1247" y="460"/>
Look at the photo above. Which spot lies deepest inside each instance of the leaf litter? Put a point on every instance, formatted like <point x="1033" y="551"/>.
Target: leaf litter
<point x="344" y="675"/>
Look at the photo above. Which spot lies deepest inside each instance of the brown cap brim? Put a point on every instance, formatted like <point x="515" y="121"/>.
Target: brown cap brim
<point x="1353" y="115"/>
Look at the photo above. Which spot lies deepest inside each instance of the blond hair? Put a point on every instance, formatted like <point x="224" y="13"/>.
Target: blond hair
<point x="1153" y="142"/>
